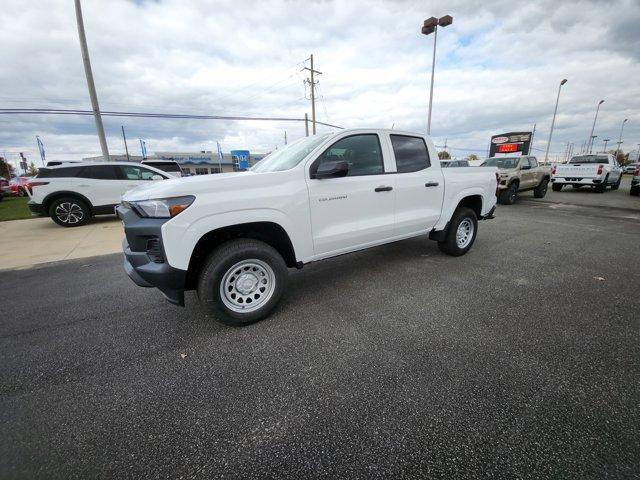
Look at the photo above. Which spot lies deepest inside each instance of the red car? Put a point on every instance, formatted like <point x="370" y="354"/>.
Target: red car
<point x="18" y="186"/>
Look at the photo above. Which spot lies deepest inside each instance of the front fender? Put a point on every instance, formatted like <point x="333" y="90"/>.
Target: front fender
<point x="180" y="236"/>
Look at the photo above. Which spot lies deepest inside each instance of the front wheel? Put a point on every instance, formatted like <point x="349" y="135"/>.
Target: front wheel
<point x="556" y="187"/>
<point x="508" y="196"/>
<point x="461" y="234"/>
<point x="635" y="191"/>
<point x="242" y="281"/>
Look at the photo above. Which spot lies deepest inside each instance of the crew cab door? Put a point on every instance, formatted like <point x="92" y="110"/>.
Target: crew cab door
<point x="419" y="185"/>
<point x="355" y="210"/>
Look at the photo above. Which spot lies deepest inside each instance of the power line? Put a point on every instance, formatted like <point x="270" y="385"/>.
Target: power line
<point x="51" y="111"/>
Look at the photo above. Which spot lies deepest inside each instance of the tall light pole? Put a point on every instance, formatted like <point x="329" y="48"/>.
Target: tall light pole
<point x="553" y="122"/>
<point x="593" y="127"/>
<point x="620" y="139"/>
<point x="431" y="26"/>
<point x="92" y="88"/>
<point x="593" y="139"/>
<point x="124" y="138"/>
<point x="606" y="140"/>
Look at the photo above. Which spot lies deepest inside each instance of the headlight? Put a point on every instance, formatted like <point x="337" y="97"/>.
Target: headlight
<point x="162" y="207"/>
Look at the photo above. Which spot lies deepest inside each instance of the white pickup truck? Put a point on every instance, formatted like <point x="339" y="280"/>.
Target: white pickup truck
<point x="232" y="236"/>
<point x="597" y="171"/>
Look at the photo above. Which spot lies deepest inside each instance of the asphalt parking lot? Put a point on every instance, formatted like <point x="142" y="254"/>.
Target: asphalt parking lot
<point x="518" y="360"/>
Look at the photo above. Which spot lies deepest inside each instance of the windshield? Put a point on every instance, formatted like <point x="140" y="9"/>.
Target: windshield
<point x="501" y="162"/>
<point x="289" y="156"/>
<point x="589" y="159"/>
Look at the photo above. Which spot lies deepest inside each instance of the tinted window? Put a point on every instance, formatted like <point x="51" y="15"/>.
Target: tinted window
<point x="99" y="172"/>
<point x="58" y="172"/>
<point x="165" y="166"/>
<point x="137" y="173"/>
<point x="361" y="152"/>
<point x="589" y="159"/>
<point x="411" y="153"/>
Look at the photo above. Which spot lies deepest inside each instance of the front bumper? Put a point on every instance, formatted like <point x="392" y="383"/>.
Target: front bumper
<point x="36" y="209"/>
<point x="144" y="256"/>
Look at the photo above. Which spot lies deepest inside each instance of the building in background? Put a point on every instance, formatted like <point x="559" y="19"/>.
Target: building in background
<point x="114" y="158"/>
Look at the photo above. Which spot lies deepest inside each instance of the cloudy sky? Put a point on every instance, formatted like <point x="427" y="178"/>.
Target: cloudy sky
<point x="498" y="69"/>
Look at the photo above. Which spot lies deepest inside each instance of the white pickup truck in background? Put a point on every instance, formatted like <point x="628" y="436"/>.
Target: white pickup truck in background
<point x="597" y="171"/>
<point x="232" y="236"/>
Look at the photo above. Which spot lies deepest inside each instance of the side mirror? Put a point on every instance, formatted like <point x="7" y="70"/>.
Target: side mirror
<point x="331" y="170"/>
<point x="157" y="177"/>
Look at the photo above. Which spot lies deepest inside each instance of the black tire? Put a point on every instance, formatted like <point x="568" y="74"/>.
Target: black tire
<point x="219" y="267"/>
<point x="635" y="191"/>
<point x="69" y="212"/>
<point x="556" y="187"/>
<point x="22" y="192"/>
<point x="450" y="244"/>
<point x="616" y="185"/>
<point x="508" y="196"/>
<point x="603" y="186"/>
<point x="541" y="190"/>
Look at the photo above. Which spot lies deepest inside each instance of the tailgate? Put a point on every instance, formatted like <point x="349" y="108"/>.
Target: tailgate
<point x="577" y="171"/>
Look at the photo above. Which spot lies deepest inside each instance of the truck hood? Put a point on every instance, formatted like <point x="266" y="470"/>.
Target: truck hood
<point x="177" y="187"/>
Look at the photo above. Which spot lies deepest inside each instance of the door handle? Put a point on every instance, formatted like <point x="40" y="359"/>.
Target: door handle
<point x="431" y="184"/>
<point x="384" y="189"/>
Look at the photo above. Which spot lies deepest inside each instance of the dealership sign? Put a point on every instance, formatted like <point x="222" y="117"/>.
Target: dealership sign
<point x="513" y="143"/>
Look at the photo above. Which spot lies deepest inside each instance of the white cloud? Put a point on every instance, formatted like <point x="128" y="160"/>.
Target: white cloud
<point x="498" y="69"/>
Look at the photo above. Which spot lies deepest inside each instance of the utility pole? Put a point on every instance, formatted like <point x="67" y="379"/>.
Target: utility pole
<point x="306" y="124"/>
<point x="285" y="137"/>
<point x="124" y="137"/>
<point x="312" y="83"/>
<point x="90" y="84"/>
<point x="533" y="134"/>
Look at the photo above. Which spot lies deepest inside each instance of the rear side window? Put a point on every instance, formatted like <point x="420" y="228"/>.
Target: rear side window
<point x="59" y="172"/>
<point x="411" y="153"/>
<point x="165" y="166"/>
<point x="99" y="172"/>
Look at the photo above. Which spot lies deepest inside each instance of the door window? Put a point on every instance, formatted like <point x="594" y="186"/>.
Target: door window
<point x="137" y="173"/>
<point x="533" y="161"/>
<point x="361" y="152"/>
<point x="411" y="153"/>
<point x="99" y="172"/>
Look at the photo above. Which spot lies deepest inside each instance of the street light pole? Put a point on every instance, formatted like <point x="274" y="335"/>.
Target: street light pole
<point x="92" y="88"/>
<point x="606" y="140"/>
<point x="620" y="139"/>
<point x="431" y="26"/>
<point x="593" y="139"/>
<point x="553" y="122"/>
<point x="593" y="127"/>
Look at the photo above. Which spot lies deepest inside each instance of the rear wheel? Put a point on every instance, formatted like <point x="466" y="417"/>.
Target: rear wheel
<point x="69" y="212"/>
<point x="461" y="233"/>
<point x="616" y="185"/>
<point x="556" y="187"/>
<point x="635" y="191"/>
<point x="242" y="281"/>
<point x="541" y="190"/>
<point x="508" y="196"/>
<point x="601" y="188"/>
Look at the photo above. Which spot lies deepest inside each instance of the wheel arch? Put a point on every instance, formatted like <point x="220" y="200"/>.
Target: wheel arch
<point x="49" y="199"/>
<point x="474" y="202"/>
<point x="271" y="233"/>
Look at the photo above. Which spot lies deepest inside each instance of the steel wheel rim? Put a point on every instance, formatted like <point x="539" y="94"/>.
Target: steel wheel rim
<point x="464" y="233"/>
<point x="69" y="212"/>
<point x="247" y="286"/>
